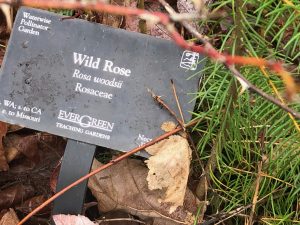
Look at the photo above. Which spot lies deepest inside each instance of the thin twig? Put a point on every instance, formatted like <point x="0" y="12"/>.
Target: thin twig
<point x="263" y="175"/>
<point x="177" y="100"/>
<point x="159" y="100"/>
<point x="120" y="219"/>
<point x="191" y="141"/>
<point x="225" y="216"/>
<point x="264" y="95"/>
<point x="201" y="189"/>
<point x="255" y="196"/>
<point x="192" y="144"/>
<point x="163" y="104"/>
<point x="142" y="23"/>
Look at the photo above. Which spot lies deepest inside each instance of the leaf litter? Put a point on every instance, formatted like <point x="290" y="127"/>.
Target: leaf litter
<point x="124" y="186"/>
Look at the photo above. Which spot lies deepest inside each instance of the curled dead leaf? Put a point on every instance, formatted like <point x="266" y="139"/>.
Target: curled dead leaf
<point x="27" y="145"/>
<point x="123" y="186"/>
<point x="9" y="218"/>
<point x="169" y="168"/>
<point x="15" y="194"/>
<point x="6" y="9"/>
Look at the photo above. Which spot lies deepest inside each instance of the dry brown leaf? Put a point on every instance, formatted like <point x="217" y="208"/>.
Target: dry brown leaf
<point x="9" y="218"/>
<point x="3" y="162"/>
<point x="169" y="168"/>
<point x="15" y="194"/>
<point x="123" y="186"/>
<point x="27" y="145"/>
<point x="168" y="126"/>
<point x="11" y="154"/>
<point x="6" y="9"/>
<point x="30" y="204"/>
<point x="71" y="220"/>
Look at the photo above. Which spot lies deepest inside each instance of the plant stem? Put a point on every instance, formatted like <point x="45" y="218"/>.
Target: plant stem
<point x="142" y="22"/>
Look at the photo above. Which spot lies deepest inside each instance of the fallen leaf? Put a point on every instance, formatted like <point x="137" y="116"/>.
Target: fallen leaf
<point x="9" y="218"/>
<point x="27" y="145"/>
<point x="15" y="194"/>
<point x="169" y="168"/>
<point x="30" y="204"/>
<point x="71" y="220"/>
<point x="6" y="9"/>
<point x="123" y="186"/>
<point x="3" y="162"/>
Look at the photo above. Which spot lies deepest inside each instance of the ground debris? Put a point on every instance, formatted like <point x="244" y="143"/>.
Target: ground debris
<point x="124" y="187"/>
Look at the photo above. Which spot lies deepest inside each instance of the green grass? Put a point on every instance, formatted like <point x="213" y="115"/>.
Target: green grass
<point x="249" y="130"/>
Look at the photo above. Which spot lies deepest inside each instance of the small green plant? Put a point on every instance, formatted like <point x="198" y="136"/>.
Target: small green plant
<point x="253" y="139"/>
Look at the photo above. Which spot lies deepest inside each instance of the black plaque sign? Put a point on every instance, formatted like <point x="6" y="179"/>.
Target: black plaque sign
<point x="90" y="82"/>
